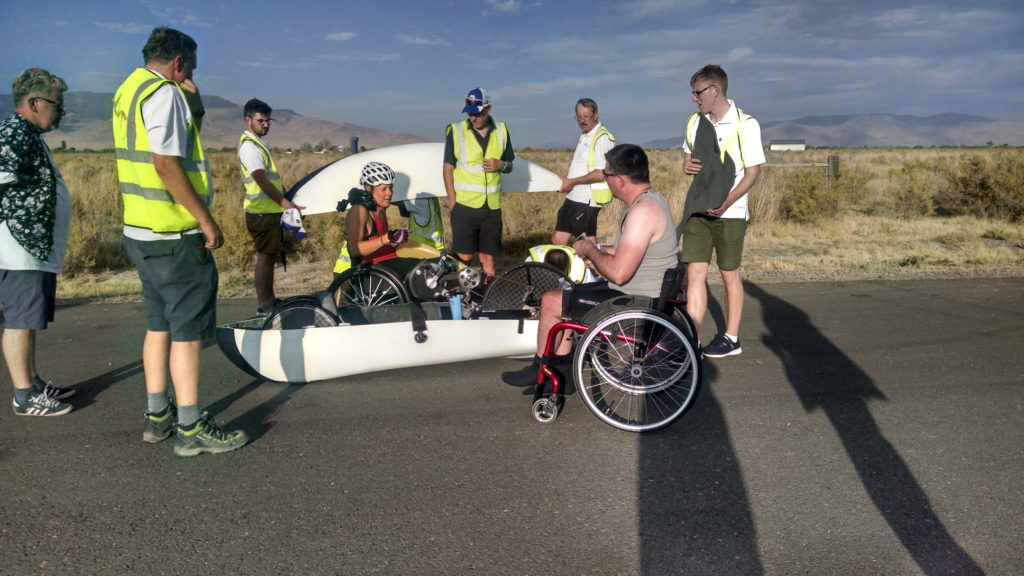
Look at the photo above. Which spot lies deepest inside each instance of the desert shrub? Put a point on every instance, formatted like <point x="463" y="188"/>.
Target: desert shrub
<point x="805" y="198"/>
<point x="916" y="184"/>
<point x="986" y="186"/>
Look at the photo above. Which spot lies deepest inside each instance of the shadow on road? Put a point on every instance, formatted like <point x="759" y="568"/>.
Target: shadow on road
<point x="825" y="378"/>
<point x="694" y="514"/>
<point x="255" y="422"/>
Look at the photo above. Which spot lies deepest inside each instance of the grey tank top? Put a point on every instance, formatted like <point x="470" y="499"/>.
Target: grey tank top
<point x="660" y="255"/>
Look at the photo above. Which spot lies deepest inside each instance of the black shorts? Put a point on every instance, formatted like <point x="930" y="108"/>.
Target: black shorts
<point x="265" y="230"/>
<point x="476" y="230"/>
<point x="29" y="298"/>
<point x="577" y="218"/>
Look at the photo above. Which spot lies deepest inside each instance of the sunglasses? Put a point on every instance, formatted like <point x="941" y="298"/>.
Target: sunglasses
<point x="608" y="174"/>
<point x="475" y="102"/>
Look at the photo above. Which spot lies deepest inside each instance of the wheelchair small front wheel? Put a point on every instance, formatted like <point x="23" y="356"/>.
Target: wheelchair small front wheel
<point x="545" y="410"/>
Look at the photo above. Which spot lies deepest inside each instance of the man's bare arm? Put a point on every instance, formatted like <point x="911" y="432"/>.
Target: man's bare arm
<point x="172" y="173"/>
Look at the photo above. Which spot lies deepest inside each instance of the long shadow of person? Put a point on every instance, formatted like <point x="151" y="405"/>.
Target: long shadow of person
<point x="823" y="377"/>
<point x="694" y="515"/>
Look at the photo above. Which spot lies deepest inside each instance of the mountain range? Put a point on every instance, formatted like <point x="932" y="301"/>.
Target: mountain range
<point x="885" y="130"/>
<point x="87" y="126"/>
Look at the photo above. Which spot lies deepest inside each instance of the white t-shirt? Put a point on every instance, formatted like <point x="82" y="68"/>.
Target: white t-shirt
<point x="753" y="151"/>
<point x="166" y="116"/>
<point x="13" y="256"/>
<point x="250" y="155"/>
<point x="578" y="167"/>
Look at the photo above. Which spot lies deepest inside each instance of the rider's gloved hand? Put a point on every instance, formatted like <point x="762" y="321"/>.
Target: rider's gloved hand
<point x="398" y="236"/>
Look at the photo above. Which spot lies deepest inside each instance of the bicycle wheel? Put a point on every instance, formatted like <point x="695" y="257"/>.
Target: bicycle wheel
<point x="522" y="286"/>
<point x="637" y="370"/>
<point x="367" y="287"/>
<point x="300" y="313"/>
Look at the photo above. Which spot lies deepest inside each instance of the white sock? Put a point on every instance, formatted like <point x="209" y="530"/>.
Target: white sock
<point x="733" y="339"/>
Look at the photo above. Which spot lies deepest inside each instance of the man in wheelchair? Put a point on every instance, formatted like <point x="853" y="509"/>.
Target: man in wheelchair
<point x="644" y="248"/>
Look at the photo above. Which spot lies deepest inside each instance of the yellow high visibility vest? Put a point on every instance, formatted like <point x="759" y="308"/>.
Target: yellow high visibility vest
<point x="256" y="201"/>
<point x="473" y="186"/>
<point x="147" y="202"/>
<point x="577" y="268"/>
<point x="599" y="190"/>
<point x="430" y="233"/>
<point x="727" y="144"/>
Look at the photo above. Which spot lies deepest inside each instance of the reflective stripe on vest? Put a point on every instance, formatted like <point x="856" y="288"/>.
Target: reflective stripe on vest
<point x="256" y="201"/>
<point x="147" y="202"/>
<point x="473" y="186"/>
<point x="600" y="191"/>
<point x="344" y="261"/>
<point x="727" y="144"/>
<point x="430" y="233"/>
<point x="577" y="267"/>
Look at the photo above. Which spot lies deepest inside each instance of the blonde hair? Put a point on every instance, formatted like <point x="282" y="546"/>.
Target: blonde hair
<point x="35" y="81"/>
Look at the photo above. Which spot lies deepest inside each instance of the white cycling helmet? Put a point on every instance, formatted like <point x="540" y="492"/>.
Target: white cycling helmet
<point x="376" y="173"/>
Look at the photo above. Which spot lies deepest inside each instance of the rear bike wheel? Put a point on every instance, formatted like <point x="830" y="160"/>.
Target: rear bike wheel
<point x="298" y="314"/>
<point x="637" y="370"/>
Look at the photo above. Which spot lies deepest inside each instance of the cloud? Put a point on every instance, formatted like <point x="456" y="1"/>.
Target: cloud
<point x="340" y="36"/>
<point x="126" y="27"/>
<point x="510" y="6"/>
<point x="419" y="41"/>
<point x="360" y="57"/>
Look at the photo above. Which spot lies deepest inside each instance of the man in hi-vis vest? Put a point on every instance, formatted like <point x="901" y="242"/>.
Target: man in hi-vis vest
<point x="264" y="200"/>
<point x="477" y="151"/>
<point x="165" y="184"/>
<point x="584" y="186"/>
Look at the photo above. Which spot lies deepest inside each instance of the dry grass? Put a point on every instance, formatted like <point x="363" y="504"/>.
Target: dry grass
<point x="875" y="222"/>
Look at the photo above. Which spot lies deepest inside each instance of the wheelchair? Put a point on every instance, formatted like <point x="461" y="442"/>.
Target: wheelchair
<point x="636" y="361"/>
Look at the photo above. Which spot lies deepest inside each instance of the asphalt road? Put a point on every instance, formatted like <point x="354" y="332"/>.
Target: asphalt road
<point x="868" y="428"/>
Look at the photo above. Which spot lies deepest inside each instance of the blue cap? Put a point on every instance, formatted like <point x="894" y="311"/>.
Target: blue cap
<point x="476" y="101"/>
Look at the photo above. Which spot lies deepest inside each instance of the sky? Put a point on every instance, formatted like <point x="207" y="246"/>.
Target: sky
<point x="406" y="66"/>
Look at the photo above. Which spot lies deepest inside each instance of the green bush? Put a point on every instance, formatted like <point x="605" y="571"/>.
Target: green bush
<point x="989" y="186"/>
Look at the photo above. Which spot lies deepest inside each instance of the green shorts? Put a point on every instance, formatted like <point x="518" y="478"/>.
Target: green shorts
<point x="723" y="236"/>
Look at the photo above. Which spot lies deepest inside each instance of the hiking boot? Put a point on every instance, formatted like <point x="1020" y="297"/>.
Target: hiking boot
<point x="160" y="425"/>
<point x="722" y="346"/>
<point x="39" y="404"/>
<point x="51" y="391"/>
<point x="206" y="436"/>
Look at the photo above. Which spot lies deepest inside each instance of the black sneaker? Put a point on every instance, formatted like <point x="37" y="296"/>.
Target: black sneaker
<point x="160" y="425"/>
<point x="206" y="436"/>
<point x="40" y="405"/>
<point x="722" y="346"/>
<point x="51" y="391"/>
<point x="524" y="377"/>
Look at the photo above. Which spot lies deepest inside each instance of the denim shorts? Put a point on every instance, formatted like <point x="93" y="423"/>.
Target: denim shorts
<point x="29" y="298"/>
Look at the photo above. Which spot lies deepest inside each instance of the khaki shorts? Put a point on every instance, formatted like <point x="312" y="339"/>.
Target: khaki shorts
<point x="723" y="236"/>
<point x="265" y="230"/>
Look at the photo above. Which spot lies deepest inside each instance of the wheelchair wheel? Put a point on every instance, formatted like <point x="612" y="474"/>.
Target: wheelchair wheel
<point x="637" y="370"/>
<point x="367" y="286"/>
<point x="300" y="313"/>
<point x="522" y="286"/>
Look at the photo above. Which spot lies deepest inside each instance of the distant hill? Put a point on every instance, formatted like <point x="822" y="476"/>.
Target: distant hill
<point x="881" y="130"/>
<point x="87" y="125"/>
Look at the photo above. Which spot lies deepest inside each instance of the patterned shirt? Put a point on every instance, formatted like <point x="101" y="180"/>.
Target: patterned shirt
<point x="28" y="202"/>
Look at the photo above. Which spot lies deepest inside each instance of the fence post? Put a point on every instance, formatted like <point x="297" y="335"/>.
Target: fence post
<point x="353" y="145"/>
